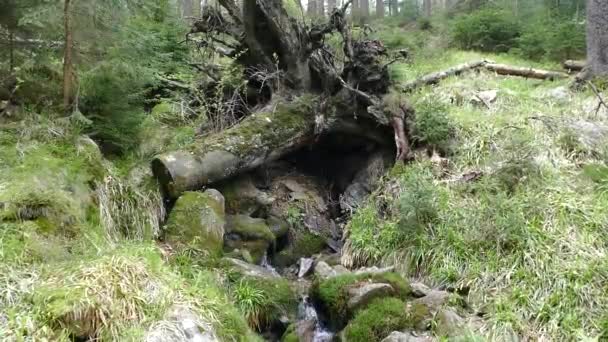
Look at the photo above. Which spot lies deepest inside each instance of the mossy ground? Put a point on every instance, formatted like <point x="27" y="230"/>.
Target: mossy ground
<point x="378" y="320"/>
<point x="526" y="236"/>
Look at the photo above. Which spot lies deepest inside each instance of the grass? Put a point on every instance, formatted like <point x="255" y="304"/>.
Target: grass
<point x="527" y="237"/>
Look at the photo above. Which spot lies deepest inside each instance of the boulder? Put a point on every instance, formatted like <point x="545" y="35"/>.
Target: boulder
<point x="252" y="234"/>
<point x="306" y="266"/>
<point x="251" y="270"/>
<point x="560" y="94"/>
<point x="243" y="197"/>
<point x="397" y="336"/>
<point x="363" y="293"/>
<point x="592" y="135"/>
<point x="365" y="181"/>
<point x="434" y="300"/>
<point x="197" y="221"/>
<point x="420" y="290"/>
<point x="324" y="271"/>
<point x="449" y="324"/>
<point x="485" y="97"/>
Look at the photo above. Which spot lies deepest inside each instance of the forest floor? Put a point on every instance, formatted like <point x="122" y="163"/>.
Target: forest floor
<point x="513" y="212"/>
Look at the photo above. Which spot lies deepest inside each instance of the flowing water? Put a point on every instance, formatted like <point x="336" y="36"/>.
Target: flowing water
<point x="307" y="312"/>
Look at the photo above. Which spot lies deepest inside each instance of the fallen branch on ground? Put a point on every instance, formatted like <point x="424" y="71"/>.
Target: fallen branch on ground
<point x="501" y="69"/>
<point x="571" y="65"/>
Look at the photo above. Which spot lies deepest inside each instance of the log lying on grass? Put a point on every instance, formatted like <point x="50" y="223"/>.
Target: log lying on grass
<point x="572" y="66"/>
<point x="438" y="76"/>
<point x="260" y="138"/>
<point x="501" y="69"/>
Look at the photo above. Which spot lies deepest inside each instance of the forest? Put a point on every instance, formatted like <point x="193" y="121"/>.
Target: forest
<point x="303" y="170"/>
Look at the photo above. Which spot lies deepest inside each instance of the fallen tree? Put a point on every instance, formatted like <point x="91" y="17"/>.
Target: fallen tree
<point x="304" y="91"/>
<point x="501" y="69"/>
<point x="574" y="66"/>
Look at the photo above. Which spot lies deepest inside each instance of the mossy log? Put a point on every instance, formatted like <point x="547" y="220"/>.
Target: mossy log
<point x="574" y="66"/>
<point x="260" y="138"/>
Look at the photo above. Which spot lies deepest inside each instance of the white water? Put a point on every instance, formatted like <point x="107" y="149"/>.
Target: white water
<point x="307" y="312"/>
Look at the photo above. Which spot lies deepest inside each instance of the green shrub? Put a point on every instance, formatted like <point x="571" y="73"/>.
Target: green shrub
<point x="431" y="126"/>
<point x="488" y="29"/>
<point x="377" y="321"/>
<point x="418" y="204"/>
<point x="554" y="38"/>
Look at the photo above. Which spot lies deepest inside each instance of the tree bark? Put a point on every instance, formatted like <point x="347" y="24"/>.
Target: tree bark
<point x="597" y="37"/>
<point x="428" y="7"/>
<point x="380" y="8"/>
<point x="311" y="8"/>
<point x="364" y="8"/>
<point x="571" y="65"/>
<point x="11" y="52"/>
<point x="331" y="5"/>
<point x="67" y="58"/>
<point x="435" y="77"/>
<point x="321" y="8"/>
<point x="510" y="70"/>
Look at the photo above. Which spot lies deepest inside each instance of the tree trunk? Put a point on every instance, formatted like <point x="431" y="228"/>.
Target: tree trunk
<point x="67" y="59"/>
<point x="321" y="8"/>
<point x="597" y="37"/>
<point x="196" y="8"/>
<point x="260" y="138"/>
<point x="394" y="7"/>
<point x="380" y="8"/>
<point x="503" y="69"/>
<point x="331" y="5"/>
<point x="364" y="8"/>
<point x="356" y="11"/>
<point x="311" y="8"/>
<point x="186" y="8"/>
<point x="11" y="52"/>
<point x="428" y="8"/>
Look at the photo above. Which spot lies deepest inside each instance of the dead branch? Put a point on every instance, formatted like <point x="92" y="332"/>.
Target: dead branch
<point x="435" y="77"/>
<point x="574" y="66"/>
<point x="599" y="96"/>
<point x="503" y="69"/>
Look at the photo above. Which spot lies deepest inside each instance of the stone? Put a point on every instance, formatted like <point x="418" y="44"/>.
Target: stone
<point x="243" y="197"/>
<point x="306" y="330"/>
<point x="339" y="269"/>
<point x="251" y="270"/>
<point x="278" y="227"/>
<point x="374" y="270"/>
<point x="434" y="300"/>
<point x="324" y="271"/>
<point x="485" y="97"/>
<point x="197" y="221"/>
<point x="181" y="325"/>
<point x="449" y="323"/>
<point x="306" y="266"/>
<point x="364" y="182"/>
<point x="252" y="234"/>
<point x="364" y="293"/>
<point x="419" y="289"/>
<point x="397" y="336"/>
<point x="591" y="134"/>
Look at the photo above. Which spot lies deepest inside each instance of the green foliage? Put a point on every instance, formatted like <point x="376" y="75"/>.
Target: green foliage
<point x="554" y="38"/>
<point x="377" y="321"/>
<point x="489" y="29"/>
<point x="431" y="126"/>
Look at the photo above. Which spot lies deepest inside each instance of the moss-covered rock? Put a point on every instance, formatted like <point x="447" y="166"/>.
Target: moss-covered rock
<point x="290" y="334"/>
<point x="242" y="197"/>
<point x="301" y="245"/>
<point x="252" y="234"/>
<point x="334" y="293"/>
<point x="197" y="221"/>
<point x="377" y="321"/>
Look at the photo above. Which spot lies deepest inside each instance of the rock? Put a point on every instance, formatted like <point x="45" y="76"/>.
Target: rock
<point x="181" y="325"/>
<point x="324" y="271"/>
<point x="252" y="234"/>
<point x="397" y="336"/>
<point x="364" y="293"/>
<point x="300" y="245"/>
<point x="278" y="227"/>
<point x="197" y="221"/>
<point x="243" y="197"/>
<point x="560" y="94"/>
<point x="306" y="266"/>
<point x="365" y="181"/>
<point x="449" y="323"/>
<point x="591" y="134"/>
<point x="339" y="269"/>
<point x="251" y="269"/>
<point x="434" y="300"/>
<point x="485" y="97"/>
<point x="374" y="270"/>
<point x="306" y="330"/>
<point x="419" y="289"/>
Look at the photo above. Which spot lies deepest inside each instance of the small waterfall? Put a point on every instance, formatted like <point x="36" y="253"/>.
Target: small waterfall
<point x="266" y="264"/>
<point x="307" y="312"/>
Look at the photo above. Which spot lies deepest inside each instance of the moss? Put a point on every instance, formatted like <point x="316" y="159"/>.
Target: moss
<point x="263" y="300"/>
<point x="259" y="131"/>
<point x="332" y="293"/>
<point x="197" y="221"/>
<point x="304" y="245"/>
<point x="249" y="228"/>
<point x="290" y="334"/>
<point x="377" y="321"/>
